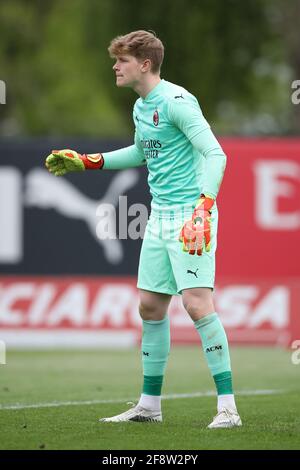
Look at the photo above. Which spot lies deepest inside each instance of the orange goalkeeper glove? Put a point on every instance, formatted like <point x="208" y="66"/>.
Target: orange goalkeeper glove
<point x="60" y="162"/>
<point x="196" y="233"/>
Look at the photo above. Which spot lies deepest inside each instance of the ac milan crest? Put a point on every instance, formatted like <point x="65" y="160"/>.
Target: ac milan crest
<point x="155" y="118"/>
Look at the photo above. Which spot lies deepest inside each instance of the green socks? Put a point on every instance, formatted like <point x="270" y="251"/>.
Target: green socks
<point x="156" y="348"/>
<point x="215" y="347"/>
<point x="155" y="352"/>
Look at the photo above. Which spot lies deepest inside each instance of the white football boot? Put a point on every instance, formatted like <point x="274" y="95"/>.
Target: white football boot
<point x="226" y="418"/>
<point x="136" y="413"/>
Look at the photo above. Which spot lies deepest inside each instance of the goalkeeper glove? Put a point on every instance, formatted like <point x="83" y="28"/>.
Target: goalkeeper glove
<point x="60" y="162"/>
<point x="197" y="232"/>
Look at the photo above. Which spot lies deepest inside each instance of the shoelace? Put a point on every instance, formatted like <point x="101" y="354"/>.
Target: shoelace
<point x="227" y="414"/>
<point x="225" y="411"/>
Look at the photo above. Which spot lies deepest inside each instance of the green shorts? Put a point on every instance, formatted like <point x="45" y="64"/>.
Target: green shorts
<point x="164" y="267"/>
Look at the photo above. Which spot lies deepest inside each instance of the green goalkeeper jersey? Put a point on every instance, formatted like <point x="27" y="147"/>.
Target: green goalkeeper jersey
<point x="173" y="138"/>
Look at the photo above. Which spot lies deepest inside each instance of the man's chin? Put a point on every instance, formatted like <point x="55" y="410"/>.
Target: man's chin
<point x="122" y="84"/>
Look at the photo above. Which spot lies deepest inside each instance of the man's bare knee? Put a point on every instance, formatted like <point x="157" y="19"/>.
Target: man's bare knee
<point x="198" y="302"/>
<point x="153" y="306"/>
<point x="150" y="312"/>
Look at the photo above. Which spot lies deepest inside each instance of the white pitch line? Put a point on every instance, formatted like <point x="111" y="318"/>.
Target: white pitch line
<point x="20" y="406"/>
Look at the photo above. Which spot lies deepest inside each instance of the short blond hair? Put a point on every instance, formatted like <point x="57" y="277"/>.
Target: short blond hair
<point x="140" y="44"/>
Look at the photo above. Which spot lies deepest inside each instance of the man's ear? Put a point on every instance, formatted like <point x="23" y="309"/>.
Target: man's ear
<point x="146" y="65"/>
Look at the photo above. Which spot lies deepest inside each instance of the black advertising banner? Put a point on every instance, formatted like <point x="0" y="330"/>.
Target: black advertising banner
<point x="60" y="225"/>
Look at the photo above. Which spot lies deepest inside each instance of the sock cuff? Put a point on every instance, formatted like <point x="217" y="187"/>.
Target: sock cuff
<point x="223" y="382"/>
<point x="206" y="320"/>
<point x="153" y="385"/>
<point x="157" y="322"/>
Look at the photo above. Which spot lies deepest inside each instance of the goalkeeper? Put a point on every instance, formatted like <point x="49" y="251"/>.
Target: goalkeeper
<point x="186" y="166"/>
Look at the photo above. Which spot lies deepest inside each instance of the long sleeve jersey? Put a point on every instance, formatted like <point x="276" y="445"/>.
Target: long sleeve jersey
<point x="174" y="140"/>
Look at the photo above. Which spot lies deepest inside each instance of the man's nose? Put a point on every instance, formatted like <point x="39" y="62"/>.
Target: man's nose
<point x="115" y="67"/>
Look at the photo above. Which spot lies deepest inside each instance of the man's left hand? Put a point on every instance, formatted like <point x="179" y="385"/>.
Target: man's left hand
<point x="196" y="233"/>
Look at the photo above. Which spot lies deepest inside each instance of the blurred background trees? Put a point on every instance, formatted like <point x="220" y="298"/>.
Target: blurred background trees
<point x="238" y="58"/>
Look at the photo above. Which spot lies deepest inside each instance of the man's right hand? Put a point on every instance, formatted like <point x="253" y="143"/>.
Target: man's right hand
<point x="60" y="162"/>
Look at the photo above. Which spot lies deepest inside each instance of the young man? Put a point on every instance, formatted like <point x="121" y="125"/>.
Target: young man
<point x="186" y="166"/>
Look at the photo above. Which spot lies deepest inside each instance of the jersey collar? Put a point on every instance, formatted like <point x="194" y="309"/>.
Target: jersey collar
<point x="154" y="91"/>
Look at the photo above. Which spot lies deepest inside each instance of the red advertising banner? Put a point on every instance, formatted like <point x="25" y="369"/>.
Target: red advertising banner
<point x="259" y="201"/>
<point x="103" y="312"/>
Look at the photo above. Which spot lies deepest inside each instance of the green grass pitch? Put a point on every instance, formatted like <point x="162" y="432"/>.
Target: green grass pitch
<point x="86" y="385"/>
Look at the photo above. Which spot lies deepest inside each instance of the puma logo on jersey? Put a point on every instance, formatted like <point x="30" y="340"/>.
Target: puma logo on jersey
<point x="179" y="96"/>
<point x="192" y="272"/>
